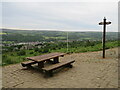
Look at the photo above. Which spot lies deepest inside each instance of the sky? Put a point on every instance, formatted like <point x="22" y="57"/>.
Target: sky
<point x="63" y="16"/>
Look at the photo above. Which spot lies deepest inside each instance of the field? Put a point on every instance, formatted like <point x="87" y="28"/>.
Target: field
<point x="2" y="33"/>
<point x="47" y="36"/>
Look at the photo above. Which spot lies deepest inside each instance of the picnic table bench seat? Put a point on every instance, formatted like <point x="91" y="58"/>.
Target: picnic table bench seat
<point x="48" y="70"/>
<point x="28" y="63"/>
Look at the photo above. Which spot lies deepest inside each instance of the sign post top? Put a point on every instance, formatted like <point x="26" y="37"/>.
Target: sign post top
<point x="105" y="18"/>
<point x="104" y="22"/>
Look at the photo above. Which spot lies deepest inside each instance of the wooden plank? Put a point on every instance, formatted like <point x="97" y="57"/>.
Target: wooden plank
<point x="55" y="66"/>
<point x="45" y="57"/>
<point x="27" y="63"/>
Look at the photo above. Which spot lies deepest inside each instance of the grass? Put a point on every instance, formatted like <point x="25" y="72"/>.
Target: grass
<point x="97" y="47"/>
<point x="2" y="33"/>
<point x="55" y="37"/>
<point x="13" y="58"/>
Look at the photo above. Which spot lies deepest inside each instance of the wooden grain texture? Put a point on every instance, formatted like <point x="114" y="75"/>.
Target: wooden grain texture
<point x="55" y="66"/>
<point x="46" y="56"/>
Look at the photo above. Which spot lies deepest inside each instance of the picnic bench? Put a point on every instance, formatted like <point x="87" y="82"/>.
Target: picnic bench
<point x="49" y="69"/>
<point x="40" y="60"/>
<point x="28" y="63"/>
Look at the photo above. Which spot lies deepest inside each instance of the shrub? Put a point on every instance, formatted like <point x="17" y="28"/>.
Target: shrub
<point x="36" y="49"/>
<point x="4" y="56"/>
<point x="45" y="50"/>
<point x="21" y="53"/>
<point x="31" y="53"/>
<point x="7" y="61"/>
<point x="12" y="54"/>
<point x="40" y="50"/>
<point x="35" y="54"/>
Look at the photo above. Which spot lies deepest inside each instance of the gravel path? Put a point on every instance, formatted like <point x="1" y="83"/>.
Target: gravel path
<point x="89" y="71"/>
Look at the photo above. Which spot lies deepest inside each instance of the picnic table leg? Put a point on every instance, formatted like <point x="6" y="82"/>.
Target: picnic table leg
<point x="40" y="64"/>
<point x="56" y="60"/>
<point x="69" y="65"/>
<point x="49" y="61"/>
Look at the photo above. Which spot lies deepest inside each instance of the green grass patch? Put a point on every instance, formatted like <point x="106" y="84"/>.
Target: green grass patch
<point x="2" y="33"/>
<point x="55" y="37"/>
<point x="19" y="56"/>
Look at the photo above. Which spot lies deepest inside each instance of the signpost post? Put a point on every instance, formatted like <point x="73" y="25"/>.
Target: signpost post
<point x="104" y="23"/>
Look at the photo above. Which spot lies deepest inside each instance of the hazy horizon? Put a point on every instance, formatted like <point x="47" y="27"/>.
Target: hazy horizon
<point x="57" y="30"/>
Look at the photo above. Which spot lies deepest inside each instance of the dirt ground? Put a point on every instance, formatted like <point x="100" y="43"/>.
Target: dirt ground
<point x="89" y="71"/>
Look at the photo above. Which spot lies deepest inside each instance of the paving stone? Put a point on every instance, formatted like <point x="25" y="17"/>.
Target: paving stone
<point x="89" y="71"/>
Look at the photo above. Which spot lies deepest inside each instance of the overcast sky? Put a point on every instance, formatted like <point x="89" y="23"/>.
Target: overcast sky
<point x="76" y="16"/>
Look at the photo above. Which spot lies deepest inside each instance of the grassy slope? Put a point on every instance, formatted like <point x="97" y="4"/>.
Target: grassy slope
<point x="12" y="57"/>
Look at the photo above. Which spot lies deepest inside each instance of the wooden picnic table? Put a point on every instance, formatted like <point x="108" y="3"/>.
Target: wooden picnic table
<point x="41" y="59"/>
<point x="46" y="57"/>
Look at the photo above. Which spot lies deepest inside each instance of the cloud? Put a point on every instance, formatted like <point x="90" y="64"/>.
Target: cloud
<point x="62" y="15"/>
<point x="60" y="0"/>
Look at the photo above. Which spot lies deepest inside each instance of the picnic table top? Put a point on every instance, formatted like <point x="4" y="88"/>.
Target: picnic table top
<point x="45" y="56"/>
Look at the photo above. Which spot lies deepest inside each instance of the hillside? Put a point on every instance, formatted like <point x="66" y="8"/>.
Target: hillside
<point x="33" y="35"/>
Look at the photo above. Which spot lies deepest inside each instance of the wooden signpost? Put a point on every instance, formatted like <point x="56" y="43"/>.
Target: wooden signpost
<point x="104" y="23"/>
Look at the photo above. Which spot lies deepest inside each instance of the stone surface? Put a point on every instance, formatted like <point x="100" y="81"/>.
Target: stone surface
<point x="89" y="71"/>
